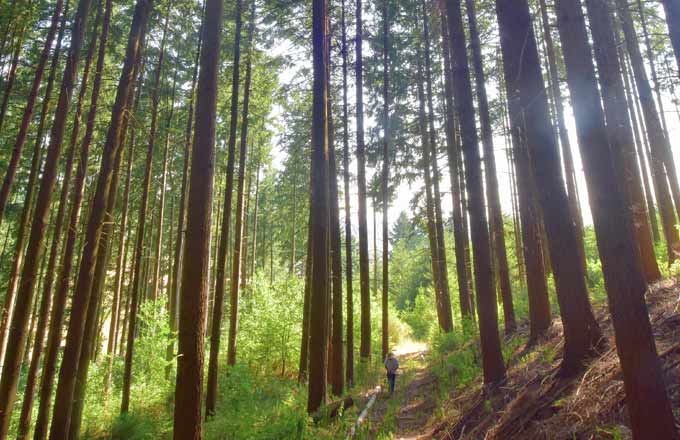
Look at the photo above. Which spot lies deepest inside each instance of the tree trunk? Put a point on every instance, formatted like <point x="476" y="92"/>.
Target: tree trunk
<point x="661" y="152"/>
<point x="17" y="332"/>
<point x="652" y="68"/>
<point x="81" y="296"/>
<point x="137" y="283"/>
<point x="173" y="309"/>
<point x="10" y="174"/>
<point x="569" y="170"/>
<point x="349" y="370"/>
<point x="364" y="281"/>
<point x="495" y="214"/>
<point x="161" y="203"/>
<point x="385" y="180"/>
<point x="320" y="206"/>
<point x="640" y="144"/>
<point x="492" y="359"/>
<point x="187" y="418"/>
<point x="253" y="258"/>
<point x="36" y="161"/>
<point x="672" y="9"/>
<point x="238" y="226"/>
<point x="444" y="319"/>
<point x="445" y="295"/>
<point x="527" y="96"/>
<point x="453" y="155"/>
<point x="47" y="289"/>
<point x="620" y="136"/>
<point x="222" y="251"/>
<point x="11" y="77"/>
<point x="647" y="401"/>
<point x="304" y="341"/>
<point x="335" y="361"/>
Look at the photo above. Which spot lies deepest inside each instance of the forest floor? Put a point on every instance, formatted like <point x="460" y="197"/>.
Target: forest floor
<point x="533" y="403"/>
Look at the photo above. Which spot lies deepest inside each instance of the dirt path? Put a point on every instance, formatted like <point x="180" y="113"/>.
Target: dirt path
<point x="405" y="414"/>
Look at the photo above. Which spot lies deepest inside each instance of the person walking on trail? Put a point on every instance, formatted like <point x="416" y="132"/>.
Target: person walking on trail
<point x="391" y="365"/>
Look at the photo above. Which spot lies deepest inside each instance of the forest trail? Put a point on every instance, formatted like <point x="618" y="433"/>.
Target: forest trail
<point x="405" y="414"/>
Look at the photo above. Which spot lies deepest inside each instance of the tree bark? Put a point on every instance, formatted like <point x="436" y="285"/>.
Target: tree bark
<point x="11" y="77"/>
<point x="48" y="283"/>
<point x="364" y="276"/>
<point x="527" y="96"/>
<point x="238" y="226"/>
<point x="187" y="418"/>
<point x="137" y="283"/>
<point x="453" y="156"/>
<point x="81" y="296"/>
<point x="10" y="174"/>
<point x="640" y="144"/>
<point x="661" y="154"/>
<point x="36" y="161"/>
<point x="17" y="332"/>
<point x="320" y="206"/>
<point x="647" y="401"/>
<point x="335" y="362"/>
<point x="349" y="370"/>
<point x="495" y="213"/>
<point x="621" y="140"/>
<point x="569" y="170"/>
<point x="672" y="9"/>
<point x="444" y="319"/>
<point x="222" y="251"/>
<point x="492" y="358"/>
<point x="173" y="309"/>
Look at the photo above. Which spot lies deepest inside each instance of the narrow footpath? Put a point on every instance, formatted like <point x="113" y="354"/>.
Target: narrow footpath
<point x="406" y="414"/>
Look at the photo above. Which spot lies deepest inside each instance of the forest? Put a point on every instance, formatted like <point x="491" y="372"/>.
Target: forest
<point x="339" y="219"/>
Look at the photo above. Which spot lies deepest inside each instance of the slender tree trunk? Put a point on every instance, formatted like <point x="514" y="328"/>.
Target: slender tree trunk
<point x="443" y="319"/>
<point x="238" y="226"/>
<point x="661" y="152"/>
<point x="640" y="142"/>
<point x="81" y="296"/>
<point x="385" y="179"/>
<point x="17" y="333"/>
<point x="10" y="174"/>
<point x="137" y="283"/>
<point x="569" y="169"/>
<point x="652" y="68"/>
<point x="47" y="289"/>
<point x="256" y="200"/>
<point x="647" y="401"/>
<point x="304" y="340"/>
<point x="672" y="9"/>
<point x="320" y="206"/>
<point x="365" y="348"/>
<point x="173" y="309"/>
<point x="453" y="155"/>
<point x="620" y="136"/>
<point x="120" y="271"/>
<point x="495" y="214"/>
<point x="336" y="376"/>
<point x="90" y="331"/>
<point x="222" y="251"/>
<point x="11" y="77"/>
<point x="193" y="287"/>
<point x="36" y="161"/>
<point x="349" y="370"/>
<point x="445" y="295"/>
<point x="528" y="101"/>
<point x="492" y="359"/>
<point x="161" y="203"/>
